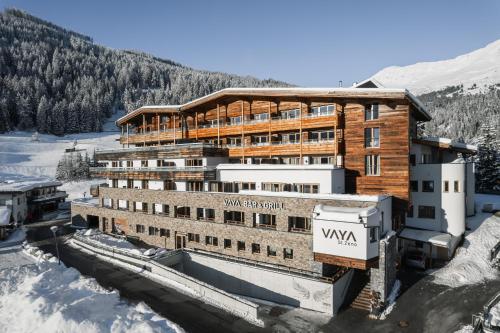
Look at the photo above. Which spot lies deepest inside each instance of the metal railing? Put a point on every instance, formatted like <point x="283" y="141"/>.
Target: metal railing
<point x="157" y="169"/>
<point x="157" y="148"/>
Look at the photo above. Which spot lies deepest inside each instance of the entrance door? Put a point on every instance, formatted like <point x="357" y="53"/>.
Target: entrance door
<point x="180" y="241"/>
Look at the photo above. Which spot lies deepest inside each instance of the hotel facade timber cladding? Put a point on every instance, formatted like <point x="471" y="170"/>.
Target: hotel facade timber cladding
<point x="310" y="179"/>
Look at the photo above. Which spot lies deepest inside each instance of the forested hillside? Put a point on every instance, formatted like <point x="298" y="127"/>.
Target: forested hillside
<point x="58" y="81"/>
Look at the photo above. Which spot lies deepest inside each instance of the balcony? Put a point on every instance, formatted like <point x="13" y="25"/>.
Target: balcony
<point x="57" y="195"/>
<point x="193" y="149"/>
<point x="171" y="173"/>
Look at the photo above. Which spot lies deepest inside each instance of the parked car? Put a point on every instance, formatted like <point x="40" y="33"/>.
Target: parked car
<point x="416" y="259"/>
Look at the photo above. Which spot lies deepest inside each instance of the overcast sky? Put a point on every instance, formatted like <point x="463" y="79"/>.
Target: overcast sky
<point x="308" y="43"/>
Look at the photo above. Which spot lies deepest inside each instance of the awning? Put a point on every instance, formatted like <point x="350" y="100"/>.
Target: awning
<point x="436" y="238"/>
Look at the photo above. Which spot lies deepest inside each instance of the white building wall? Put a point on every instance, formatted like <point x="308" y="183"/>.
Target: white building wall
<point x="122" y="183"/>
<point x="180" y="186"/>
<point x="330" y="179"/>
<point x="449" y="206"/>
<point x="138" y="184"/>
<point x="156" y="185"/>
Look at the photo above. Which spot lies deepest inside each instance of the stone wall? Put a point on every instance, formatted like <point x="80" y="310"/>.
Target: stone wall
<point x="382" y="278"/>
<point x="281" y="238"/>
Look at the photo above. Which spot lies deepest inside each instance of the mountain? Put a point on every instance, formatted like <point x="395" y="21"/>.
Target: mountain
<point x="475" y="71"/>
<point x="58" y="81"/>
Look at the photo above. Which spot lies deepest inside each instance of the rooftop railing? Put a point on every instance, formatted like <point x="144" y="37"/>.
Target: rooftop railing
<point x="156" y="169"/>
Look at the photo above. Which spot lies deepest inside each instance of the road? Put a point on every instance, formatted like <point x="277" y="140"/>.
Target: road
<point x="424" y="306"/>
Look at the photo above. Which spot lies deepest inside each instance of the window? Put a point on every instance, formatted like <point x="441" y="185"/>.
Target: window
<point x="372" y="165"/>
<point x="326" y="135"/>
<point x="446" y="186"/>
<point x="114" y="164"/>
<point x="211" y="240"/>
<point x="106" y="202"/>
<point x="290" y="160"/>
<point x="372" y="137"/>
<point x="164" y="163"/>
<point x="305" y="188"/>
<point x="130" y="164"/>
<point x="255" y="248"/>
<point x="207" y="214"/>
<point x="271" y="251"/>
<point x="373" y="235"/>
<point x="426" y="212"/>
<point x="234" y="141"/>
<point x="192" y="162"/>
<point x="290" y="138"/>
<point x="140" y="229"/>
<point x="426" y="158"/>
<point x="145" y="184"/>
<point x="152" y="231"/>
<point x="287" y="253"/>
<point x="182" y="212"/>
<point x="141" y="207"/>
<point x="323" y="160"/>
<point x="323" y="110"/>
<point x="195" y="186"/>
<point x="235" y="120"/>
<point x="161" y="209"/>
<point x="413" y="159"/>
<point x="264" y="221"/>
<point x="122" y="204"/>
<point x="414" y="185"/>
<point x="261" y="117"/>
<point x="227" y="243"/>
<point x="299" y="224"/>
<point x="144" y="164"/>
<point x="234" y="217"/>
<point x="130" y="183"/>
<point x="371" y="111"/>
<point x="164" y="232"/>
<point x="260" y="140"/>
<point x="290" y="114"/>
<point x="273" y="187"/>
<point x="193" y="238"/>
<point x="427" y="186"/>
<point x="241" y="246"/>
<point x="114" y="183"/>
<point x="169" y="185"/>
<point x="456" y="186"/>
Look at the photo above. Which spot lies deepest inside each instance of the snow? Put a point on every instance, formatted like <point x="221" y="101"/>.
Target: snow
<point x="465" y="329"/>
<point x="53" y="298"/>
<point x="391" y="300"/>
<point x="494" y="315"/>
<point x="471" y="263"/>
<point x="480" y="67"/>
<point x="15" y="238"/>
<point x="434" y="237"/>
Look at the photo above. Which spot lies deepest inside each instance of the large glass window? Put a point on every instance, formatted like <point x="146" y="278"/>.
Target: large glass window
<point x="261" y="117"/>
<point x="326" y="135"/>
<point x="290" y="114"/>
<point x="323" y="110"/>
<point x="427" y="186"/>
<point x="299" y="224"/>
<point x="183" y="212"/>
<point x="205" y="214"/>
<point x="235" y="120"/>
<point x="290" y="137"/>
<point x="426" y="212"/>
<point x="264" y="220"/>
<point x="260" y="140"/>
<point x="234" y="217"/>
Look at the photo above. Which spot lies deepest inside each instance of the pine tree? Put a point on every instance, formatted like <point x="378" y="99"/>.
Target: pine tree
<point x="488" y="160"/>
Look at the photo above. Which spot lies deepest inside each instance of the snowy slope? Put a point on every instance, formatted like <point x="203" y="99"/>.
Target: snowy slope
<point x="480" y="67"/>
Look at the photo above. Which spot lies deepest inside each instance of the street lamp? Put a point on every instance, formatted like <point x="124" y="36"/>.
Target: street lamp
<point x="54" y="229"/>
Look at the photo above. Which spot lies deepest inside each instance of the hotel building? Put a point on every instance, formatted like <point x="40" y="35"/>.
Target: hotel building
<point x="313" y="180"/>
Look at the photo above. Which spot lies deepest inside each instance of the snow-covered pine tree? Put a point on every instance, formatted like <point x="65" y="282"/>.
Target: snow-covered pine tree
<point x="488" y="159"/>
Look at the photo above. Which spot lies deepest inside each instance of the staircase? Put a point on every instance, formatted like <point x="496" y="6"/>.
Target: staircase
<point x="363" y="300"/>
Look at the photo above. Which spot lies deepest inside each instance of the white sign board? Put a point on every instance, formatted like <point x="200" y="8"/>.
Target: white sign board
<point x="340" y="239"/>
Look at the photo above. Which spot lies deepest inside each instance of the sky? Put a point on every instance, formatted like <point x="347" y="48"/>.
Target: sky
<point x="308" y="43"/>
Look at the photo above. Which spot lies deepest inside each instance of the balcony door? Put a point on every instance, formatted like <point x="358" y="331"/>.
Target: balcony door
<point x="180" y="241"/>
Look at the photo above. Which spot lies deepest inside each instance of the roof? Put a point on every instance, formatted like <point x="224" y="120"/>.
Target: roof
<point x="344" y="214"/>
<point x="369" y="83"/>
<point x="428" y="236"/>
<point x="446" y="143"/>
<point x="235" y="166"/>
<point x="352" y="92"/>
<point x="24" y="184"/>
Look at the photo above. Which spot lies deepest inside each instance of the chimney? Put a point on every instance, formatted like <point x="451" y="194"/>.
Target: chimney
<point x="340" y="84"/>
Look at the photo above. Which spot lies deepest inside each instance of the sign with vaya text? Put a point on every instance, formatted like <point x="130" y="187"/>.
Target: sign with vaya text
<point x="272" y="205"/>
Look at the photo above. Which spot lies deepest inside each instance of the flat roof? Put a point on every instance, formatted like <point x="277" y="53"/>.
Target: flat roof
<point x="446" y="143"/>
<point x="329" y="196"/>
<point x="235" y="166"/>
<point x="17" y="184"/>
<point x="351" y="92"/>
<point x="428" y="236"/>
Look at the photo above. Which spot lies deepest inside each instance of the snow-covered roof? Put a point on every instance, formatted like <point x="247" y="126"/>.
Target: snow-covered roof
<point x="344" y="214"/>
<point x="25" y="183"/>
<point x="5" y="213"/>
<point x="350" y="92"/>
<point x="427" y="236"/>
<point x="332" y="196"/>
<point x="369" y="83"/>
<point x="447" y="143"/>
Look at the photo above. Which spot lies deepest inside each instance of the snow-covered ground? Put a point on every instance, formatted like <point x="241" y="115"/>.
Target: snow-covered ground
<point x="471" y="263"/>
<point x="494" y="315"/>
<point x="480" y="67"/>
<point x="20" y="156"/>
<point x="47" y="297"/>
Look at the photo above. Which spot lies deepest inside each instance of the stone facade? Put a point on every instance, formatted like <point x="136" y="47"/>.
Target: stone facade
<point x="382" y="278"/>
<point x="279" y="238"/>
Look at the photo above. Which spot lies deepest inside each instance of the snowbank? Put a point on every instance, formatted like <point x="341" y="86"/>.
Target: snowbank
<point x="391" y="300"/>
<point x="471" y="263"/>
<point x="494" y="315"/>
<point x="52" y="298"/>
